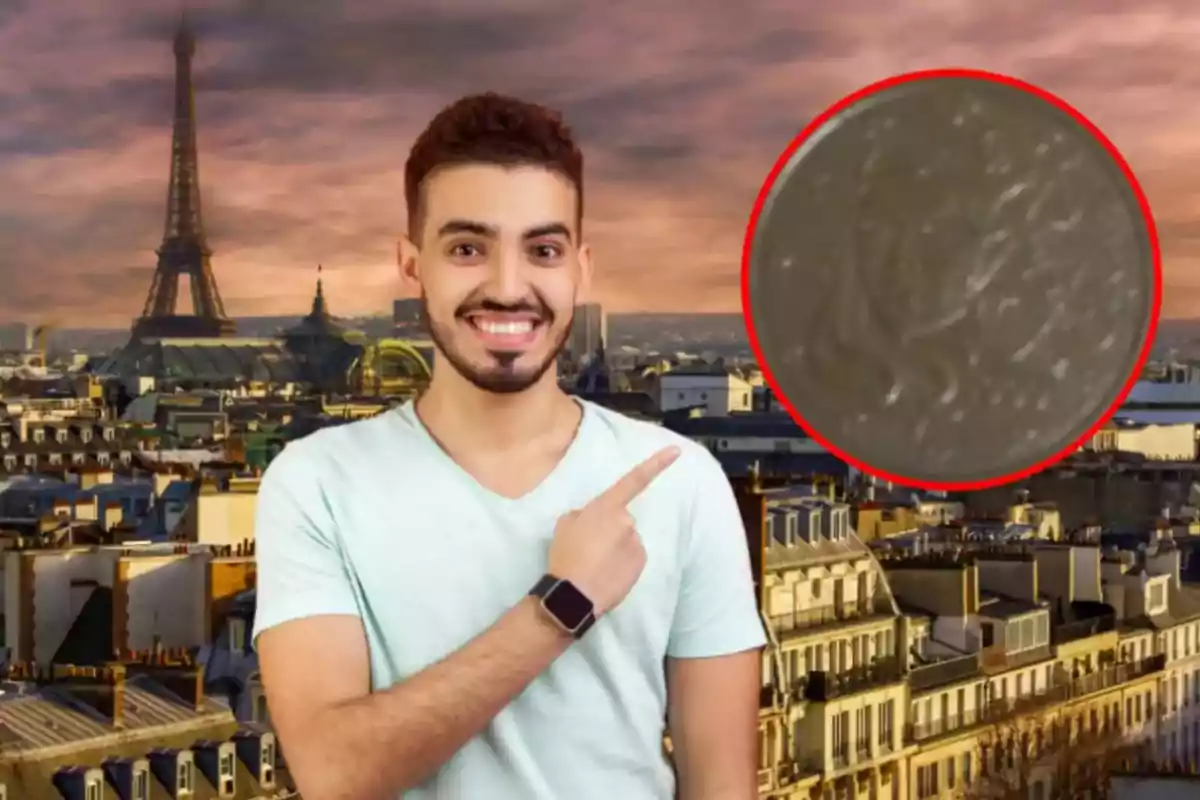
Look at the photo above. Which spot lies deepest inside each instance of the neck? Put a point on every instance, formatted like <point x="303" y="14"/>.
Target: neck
<point x="460" y="413"/>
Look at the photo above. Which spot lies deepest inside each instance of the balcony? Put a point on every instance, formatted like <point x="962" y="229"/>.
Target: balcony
<point x="1000" y="710"/>
<point x="997" y="659"/>
<point x="822" y="687"/>
<point x="941" y="673"/>
<point x="809" y="619"/>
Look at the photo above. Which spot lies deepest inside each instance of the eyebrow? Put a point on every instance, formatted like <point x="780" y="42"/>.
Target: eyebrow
<point x="482" y="229"/>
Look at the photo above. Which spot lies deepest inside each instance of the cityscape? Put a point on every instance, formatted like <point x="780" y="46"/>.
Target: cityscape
<point x="1035" y="640"/>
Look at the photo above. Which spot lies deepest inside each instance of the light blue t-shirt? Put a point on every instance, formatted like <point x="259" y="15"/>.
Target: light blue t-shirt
<point x="374" y="519"/>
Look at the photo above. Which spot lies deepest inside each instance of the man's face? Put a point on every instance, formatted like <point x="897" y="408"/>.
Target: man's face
<point x="499" y="267"/>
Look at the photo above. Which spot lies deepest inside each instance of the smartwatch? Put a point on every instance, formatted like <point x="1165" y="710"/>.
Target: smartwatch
<point x="567" y="607"/>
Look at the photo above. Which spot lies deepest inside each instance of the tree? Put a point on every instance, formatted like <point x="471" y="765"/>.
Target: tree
<point x="1063" y="755"/>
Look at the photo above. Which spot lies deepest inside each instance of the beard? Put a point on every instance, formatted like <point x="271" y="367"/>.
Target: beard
<point x="504" y="376"/>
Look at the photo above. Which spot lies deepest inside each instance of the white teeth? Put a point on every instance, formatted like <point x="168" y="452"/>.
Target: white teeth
<point x="506" y="328"/>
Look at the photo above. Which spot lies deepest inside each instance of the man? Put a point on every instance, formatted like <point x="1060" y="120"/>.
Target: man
<point x="500" y="592"/>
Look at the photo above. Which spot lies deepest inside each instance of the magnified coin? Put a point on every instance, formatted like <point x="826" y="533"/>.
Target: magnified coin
<point x="952" y="279"/>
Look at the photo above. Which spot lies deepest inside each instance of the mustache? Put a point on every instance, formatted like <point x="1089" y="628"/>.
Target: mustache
<point x="536" y="306"/>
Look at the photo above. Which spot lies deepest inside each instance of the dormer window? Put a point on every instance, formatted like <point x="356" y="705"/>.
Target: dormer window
<point x="103" y="458"/>
<point x="10" y="462"/>
<point x="31" y="460"/>
<point x="5" y="439"/>
<point x="268" y="762"/>
<point x="85" y="435"/>
<point x="184" y="780"/>
<point x="109" y="433"/>
<point x="39" y="435"/>
<point x="76" y="458"/>
<point x="141" y="785"/>
<point x="125" y="456"/>
<point x="226" y="771"/>
<point x="55" y="459"/>
<point x="60" y="435"/>
<point x="1156" y="601"/>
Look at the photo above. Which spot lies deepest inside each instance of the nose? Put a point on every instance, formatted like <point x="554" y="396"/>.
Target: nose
<point x="507" y="281"/>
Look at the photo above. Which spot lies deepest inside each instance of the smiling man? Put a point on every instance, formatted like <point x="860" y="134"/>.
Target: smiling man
<point x="500" y="591"/>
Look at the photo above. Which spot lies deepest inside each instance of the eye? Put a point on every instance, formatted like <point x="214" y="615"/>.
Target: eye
<point x="465" y="250"/>
<point x="546" y="251"/>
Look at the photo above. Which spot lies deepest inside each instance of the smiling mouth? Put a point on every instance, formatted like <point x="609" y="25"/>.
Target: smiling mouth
<point x="504" y="332"/>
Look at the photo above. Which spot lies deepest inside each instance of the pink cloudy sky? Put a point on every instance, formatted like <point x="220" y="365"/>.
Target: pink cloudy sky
<point x="306" y="116"/>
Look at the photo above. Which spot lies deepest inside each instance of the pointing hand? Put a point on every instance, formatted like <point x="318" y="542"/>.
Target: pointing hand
<point x="597" y="548"/>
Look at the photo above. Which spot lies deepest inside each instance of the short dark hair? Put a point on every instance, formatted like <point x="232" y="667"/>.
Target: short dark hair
<point x="491" y="128"/>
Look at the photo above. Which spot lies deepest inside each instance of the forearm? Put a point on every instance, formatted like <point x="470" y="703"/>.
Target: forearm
<point x="387" y="742"/>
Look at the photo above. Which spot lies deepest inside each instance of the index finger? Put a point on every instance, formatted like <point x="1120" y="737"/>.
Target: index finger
<point x="638" y="479"/>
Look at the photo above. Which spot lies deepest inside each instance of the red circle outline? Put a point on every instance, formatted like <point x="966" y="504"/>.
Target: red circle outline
<point x="888" y="83"/>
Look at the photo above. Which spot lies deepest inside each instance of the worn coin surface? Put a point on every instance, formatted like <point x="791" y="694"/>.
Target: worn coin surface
<point x="952" y="280"/>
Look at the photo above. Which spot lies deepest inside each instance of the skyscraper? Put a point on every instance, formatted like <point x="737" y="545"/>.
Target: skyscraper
<point x="589" y="331"/>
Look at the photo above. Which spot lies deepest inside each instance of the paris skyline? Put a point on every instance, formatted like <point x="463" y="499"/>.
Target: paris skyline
<point x="305" y="119"/>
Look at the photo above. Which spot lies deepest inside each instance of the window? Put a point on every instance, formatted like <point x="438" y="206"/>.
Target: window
<point x="185" y="776"/>
<point x="863" y="722"/>
<point x="141" y="785"/>
<point x="887" y="714"/>
<point x="267" y="767"/>
<point x="927" y="781"/>
<point x="951" y="773"/>
<point x="841" y="737"/>
<point x="92" y="789"/>
<point x="226" y="765"/>
<point x="966" y="765"/>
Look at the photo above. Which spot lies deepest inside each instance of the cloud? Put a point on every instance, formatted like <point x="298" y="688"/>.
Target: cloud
<point x="307" y="110"/>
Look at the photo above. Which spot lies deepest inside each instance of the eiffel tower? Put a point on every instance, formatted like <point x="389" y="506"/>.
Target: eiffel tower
<point x="184" y="251"/>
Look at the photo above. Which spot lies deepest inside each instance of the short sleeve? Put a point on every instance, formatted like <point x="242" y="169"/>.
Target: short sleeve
<point x="301" y="572"/>
<point x="717" y="613"/>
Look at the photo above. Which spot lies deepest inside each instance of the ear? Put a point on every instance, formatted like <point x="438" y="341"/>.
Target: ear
<point x="585" y="272"/>
<point x="407" y="258"/>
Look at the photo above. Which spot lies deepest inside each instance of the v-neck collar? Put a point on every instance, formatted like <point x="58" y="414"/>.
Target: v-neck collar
<point x="549" y="484"/>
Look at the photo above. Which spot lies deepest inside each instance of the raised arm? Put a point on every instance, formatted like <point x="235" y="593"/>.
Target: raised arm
<point x="343" y="741"/>
<point x="714" y="665"/>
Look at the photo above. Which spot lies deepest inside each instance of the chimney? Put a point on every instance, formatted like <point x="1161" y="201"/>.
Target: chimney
<point x="102" y="688"/>
<point x="175" y="671"/>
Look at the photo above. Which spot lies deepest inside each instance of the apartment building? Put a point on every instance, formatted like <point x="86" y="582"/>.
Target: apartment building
<point x="1032" y="666"/>
<point x="1015" y="662"/>
<point x="1163" y="617"/>
<point x="833" y="705"/>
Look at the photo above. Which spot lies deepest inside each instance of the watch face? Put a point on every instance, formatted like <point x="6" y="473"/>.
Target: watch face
<point x="568" y="604"/>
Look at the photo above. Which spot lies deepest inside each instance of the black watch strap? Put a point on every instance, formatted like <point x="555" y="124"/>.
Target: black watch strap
<point x="569" y="608"/>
